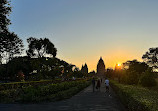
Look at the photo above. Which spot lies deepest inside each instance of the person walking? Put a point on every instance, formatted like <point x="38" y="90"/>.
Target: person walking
<point x="98" y="84"/>
<point x="93" y="84"/>
<point x="107" y="84"/>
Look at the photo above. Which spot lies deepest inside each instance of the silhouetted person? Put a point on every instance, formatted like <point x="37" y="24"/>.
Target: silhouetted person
<point x="93" y="83"/>
<point x="107" y="84"/>
<point x="98" y="84"/>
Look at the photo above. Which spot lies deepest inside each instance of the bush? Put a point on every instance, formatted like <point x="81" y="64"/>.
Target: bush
<point x="147" y="79"/>
<point x="129" y="77"/>
<point x="136" y="98"/>
<point x="29" y="93"/>
<point x="55" y="91"/>
<point x="16" y="85"/>
<point x="39" y="93"/>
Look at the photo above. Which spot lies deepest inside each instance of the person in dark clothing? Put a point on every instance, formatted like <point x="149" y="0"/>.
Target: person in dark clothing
<point x="93" y="83"/>
<point x="98" y="84"/>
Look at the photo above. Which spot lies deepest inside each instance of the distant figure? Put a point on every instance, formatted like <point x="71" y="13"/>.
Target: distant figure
<point x="73" y="78"/>
<point x="107" y="85"/>
<point x="93" y="83"/>
<point x="101" y="80"/>
<point x="98" y="84"/>
<point x="21" y="76"/>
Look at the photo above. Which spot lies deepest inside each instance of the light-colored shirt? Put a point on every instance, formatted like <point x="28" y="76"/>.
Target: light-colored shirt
<point x="107" y="82"/>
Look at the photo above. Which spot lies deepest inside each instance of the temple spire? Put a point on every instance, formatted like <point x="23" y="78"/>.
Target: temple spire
<point x="101" y="67"/>
<point x="84" y="69"/>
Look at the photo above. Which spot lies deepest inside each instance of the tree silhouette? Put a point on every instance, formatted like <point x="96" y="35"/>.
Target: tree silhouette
<point x="10" y="44"/>
<point x="40" y="47"/>
<point x="132" y="71"/>
<point x="5" y="10"/>
<point x="135" y="65"/>
<point x="151" y="57"/>
<point x="14" y="46"/>
<point x="148" y="78"/>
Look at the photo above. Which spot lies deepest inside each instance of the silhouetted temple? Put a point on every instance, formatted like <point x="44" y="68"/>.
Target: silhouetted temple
<point x="84" y="68"/>
<point x="101" y="68"/>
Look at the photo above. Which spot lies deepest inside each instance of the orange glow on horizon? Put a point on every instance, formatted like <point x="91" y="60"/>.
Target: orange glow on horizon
<point x="110" y="58"/>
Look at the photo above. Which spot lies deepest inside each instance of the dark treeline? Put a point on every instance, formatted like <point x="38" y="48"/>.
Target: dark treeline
<point x="40" y="61"/>
<point x="26" y="68"/>
<point x="134" y="73"/>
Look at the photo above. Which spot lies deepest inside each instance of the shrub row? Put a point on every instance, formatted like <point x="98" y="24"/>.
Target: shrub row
<point x="136" y="98"/>
<point x="43" y="93"/>
<point x="16" y="85"/>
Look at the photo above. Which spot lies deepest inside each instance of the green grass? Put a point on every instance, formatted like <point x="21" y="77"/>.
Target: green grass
<point x="136" y="98"/>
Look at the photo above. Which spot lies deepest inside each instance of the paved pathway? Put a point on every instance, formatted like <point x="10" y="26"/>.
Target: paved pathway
<point x="86" y="100"/>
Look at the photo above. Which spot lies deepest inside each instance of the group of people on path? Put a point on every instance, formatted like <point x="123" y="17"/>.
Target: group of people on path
<point x="97" y="84"/>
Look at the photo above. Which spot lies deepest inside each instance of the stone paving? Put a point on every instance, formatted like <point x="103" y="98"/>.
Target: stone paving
<point x="86" y="100"/>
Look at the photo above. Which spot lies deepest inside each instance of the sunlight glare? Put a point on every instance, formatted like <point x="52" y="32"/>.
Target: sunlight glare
<point x="118" y="64"/>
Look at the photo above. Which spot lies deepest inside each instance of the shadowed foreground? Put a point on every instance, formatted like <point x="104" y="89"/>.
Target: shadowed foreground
<point x="86" y="100"/>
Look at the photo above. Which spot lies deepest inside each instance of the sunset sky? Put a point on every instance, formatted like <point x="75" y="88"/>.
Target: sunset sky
<point x="84" y="30"/>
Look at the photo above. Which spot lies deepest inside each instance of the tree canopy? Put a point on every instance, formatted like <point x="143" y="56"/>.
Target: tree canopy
<point x="151" y="57"/>
<point x="10" y="43"/>
<point x="13" y="47"/>
<point x="5" y="10"/>
<point x="40" y="47"/>
<point x="136" y="66"/>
